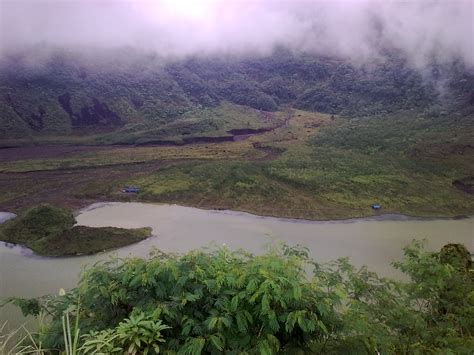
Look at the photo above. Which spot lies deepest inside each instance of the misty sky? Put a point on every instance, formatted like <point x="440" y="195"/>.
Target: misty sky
<point x="356" y="29"/>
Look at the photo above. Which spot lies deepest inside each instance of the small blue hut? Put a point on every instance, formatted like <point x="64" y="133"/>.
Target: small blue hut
<point x="131" y="189"/>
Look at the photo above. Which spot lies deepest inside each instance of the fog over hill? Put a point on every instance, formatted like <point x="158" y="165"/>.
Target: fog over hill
<point x="362" y="30"/>
<point x="68" y="65"/>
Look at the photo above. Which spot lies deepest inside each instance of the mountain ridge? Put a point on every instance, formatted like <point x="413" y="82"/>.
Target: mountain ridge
<point x="69" y="96"/>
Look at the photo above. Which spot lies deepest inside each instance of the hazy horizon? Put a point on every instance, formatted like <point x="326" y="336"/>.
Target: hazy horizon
<point x="360" y="30"/>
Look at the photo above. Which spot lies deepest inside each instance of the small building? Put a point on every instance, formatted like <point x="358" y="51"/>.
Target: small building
<point x="131" y="189"/>
<point x="376" y="206"/>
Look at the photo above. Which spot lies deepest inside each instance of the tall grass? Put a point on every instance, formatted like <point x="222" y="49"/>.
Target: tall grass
<point x="23" y="341"/>
<point x="70" y="342"/>
<point x="19" y="341"/>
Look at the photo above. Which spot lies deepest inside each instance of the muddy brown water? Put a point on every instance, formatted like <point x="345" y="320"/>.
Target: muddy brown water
<point x="375" y="242"/>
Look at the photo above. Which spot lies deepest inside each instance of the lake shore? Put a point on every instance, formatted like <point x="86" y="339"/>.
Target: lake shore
<point x="231" y="213"/>
<point x="369" y="217"/>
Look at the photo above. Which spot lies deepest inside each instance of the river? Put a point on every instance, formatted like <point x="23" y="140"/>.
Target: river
<point x="375" y="242"/>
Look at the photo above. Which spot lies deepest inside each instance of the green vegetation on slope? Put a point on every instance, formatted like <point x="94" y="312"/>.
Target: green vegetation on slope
<point x="197" y="122"/>
<point x="222" y="301"/>
<point x="125" y="96"/>
<point x="50" y="231"/>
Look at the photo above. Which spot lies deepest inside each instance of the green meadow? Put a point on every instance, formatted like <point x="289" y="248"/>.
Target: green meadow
<point x="316" y="167"/>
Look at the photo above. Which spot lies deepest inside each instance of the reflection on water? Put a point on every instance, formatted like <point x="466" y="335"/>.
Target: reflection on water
<point x="374" y="242"/>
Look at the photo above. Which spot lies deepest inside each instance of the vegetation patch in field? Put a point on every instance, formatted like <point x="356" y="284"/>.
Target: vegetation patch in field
<point x="50" y="231"/>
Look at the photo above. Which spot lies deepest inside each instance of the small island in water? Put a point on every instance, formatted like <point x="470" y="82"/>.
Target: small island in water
<point x="52" y="231"/>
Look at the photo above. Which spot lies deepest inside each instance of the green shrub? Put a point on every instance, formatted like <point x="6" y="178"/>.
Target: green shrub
<point x="43" y="221"/>
<point x="220" y="301"/>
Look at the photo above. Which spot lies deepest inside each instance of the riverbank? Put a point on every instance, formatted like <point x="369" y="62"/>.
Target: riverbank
<point x="379" y="216"/>
<point x="110" y="238"/>
<point x="174" y="228"/>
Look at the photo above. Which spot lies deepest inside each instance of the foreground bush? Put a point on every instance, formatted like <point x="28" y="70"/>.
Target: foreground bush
<point x="221" y="301"/>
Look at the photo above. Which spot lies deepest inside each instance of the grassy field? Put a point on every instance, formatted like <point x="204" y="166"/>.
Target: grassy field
<point x="316" y="166"/>
<point x="133" y="155"/>
<point x="203" y="121"/>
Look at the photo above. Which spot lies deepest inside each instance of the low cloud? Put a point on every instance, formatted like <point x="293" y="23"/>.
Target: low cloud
<point x="359" y="29"/>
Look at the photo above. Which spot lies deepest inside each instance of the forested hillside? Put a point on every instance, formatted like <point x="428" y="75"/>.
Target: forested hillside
<point x="68" y="93"/>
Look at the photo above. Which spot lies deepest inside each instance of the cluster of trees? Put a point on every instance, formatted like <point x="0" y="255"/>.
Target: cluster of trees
<point x="222" y="301"/>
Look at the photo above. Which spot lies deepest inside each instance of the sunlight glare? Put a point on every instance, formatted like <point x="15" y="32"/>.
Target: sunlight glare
<point x="190" y="9"/>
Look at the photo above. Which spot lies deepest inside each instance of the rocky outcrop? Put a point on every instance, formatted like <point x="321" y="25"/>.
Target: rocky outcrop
<point x="96" y="114"/>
